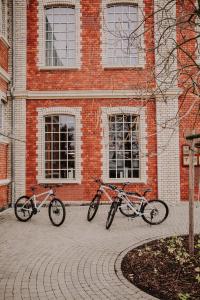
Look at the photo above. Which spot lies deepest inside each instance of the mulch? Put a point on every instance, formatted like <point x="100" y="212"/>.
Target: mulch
<point x="164" y="268"/>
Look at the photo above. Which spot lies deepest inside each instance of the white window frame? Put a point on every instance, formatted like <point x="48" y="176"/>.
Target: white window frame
<point x="42" y="32"/>
<point x="4" y="20"/>
<point x="104" y="35"/>
<point x="141" y="112"/>
<point x="42" y="112"/>
<point x="1" y="115"/>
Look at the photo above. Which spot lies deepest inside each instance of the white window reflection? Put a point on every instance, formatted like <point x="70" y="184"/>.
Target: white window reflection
<point x="120" y="22"/>
<point x="124" y="155"/>
<point x="60" y="36"/>
<point x="60" y="146"/>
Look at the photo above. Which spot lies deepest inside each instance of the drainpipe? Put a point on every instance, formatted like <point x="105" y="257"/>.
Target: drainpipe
<point x="13" y="109"/>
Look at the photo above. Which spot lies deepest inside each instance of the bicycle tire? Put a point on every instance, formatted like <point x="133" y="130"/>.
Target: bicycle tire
<point x="24" y="205"/>
<point x="111" y="214"/>
<point x="56" y="207"/>
<point x="154" y="211"/>
<point x="93" y="207"/>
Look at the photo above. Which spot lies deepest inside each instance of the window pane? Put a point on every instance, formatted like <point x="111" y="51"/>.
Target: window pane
<point x="123" y="150"/>
<point x="60" y="36"/>
<point x="59" y="146"/>
<point x="121" y="20"/>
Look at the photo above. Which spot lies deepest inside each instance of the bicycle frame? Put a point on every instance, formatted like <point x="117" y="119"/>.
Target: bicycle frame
<point x="139" y="200"/>
<point x="102" y="189"/>
<point x="34" y="198"/>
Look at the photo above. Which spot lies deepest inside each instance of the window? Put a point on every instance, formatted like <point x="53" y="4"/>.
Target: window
<point x="124" y="146"/>
<point x="124" y="142"/>
<point x="121" y="20"/>
<point x="60" y="36"/>
<point x="123" y="33"/>
<point x="60" y="146"/>
<point x="3" y="18"/>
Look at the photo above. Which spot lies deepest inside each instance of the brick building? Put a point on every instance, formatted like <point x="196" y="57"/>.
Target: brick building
<point x="80" y="106"/>
<point x="5" y="107"/>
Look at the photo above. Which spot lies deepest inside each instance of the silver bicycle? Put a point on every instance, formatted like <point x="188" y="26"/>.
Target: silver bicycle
<point x="25" y="207"/>
<point x="94" y="204"/>
<point x="132" y="204"/>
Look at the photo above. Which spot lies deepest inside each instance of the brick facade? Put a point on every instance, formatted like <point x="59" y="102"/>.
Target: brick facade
<point x="92" y="87"/>
<point x="5" y="144"/>
<point x="91" y="146"/>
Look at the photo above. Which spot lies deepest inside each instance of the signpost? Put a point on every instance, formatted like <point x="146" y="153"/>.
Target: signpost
<point x="191" y="138"/>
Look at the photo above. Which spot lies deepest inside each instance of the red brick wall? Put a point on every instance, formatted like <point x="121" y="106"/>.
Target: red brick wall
<point x="4" y="194"/>
<point x="91" y="145"/>
<point x="3" y="56"/>
<point x="91" y="75"/>
<point x="3" y="161"/>
<point x="3" y="175"/>
<point x="3" y="85"/>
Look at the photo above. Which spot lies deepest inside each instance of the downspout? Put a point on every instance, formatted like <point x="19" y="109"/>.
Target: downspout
<point x="13" y="109"/>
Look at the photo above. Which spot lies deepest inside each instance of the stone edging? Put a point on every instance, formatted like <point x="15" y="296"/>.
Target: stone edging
<point x="120" y="275"/>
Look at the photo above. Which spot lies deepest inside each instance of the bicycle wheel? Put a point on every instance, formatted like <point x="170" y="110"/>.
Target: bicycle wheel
<point x="126" y="210"/>
<point x="111" y="214"/>
<point x="56" y="212"/>
<point x="23" y="208"/>
<point x="94" y="205"/>
<point x="155" y="212"/>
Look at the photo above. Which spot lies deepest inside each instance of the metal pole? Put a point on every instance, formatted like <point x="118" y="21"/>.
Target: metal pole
<point x="191" y="198"/>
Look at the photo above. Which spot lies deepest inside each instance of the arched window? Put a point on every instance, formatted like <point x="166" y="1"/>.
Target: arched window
<point x="124" y="144"/>
<point x="59" y="146"/>
<point x="4" y="18"/>
<point x="121" y="21"/>
<point x="60" y="36"/>
<point x="122" y="36"/>
<point x="124" y="154"/>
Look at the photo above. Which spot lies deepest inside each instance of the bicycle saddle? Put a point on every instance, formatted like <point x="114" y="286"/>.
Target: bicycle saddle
<point x="147" y="191"/>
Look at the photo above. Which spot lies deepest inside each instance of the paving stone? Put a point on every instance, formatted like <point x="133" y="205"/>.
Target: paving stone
<point x="78" y="260"/>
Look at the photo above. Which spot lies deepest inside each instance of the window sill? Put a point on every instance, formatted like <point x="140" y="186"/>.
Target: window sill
<point x="4" y="139"/>
<point x="4" y="182"/>
<point x="57" y="68"/>
<point x="123" y="180"/>
<point x="128" y="68"/>
<point x="5" y="41"/>
<point x="58" y="181"/>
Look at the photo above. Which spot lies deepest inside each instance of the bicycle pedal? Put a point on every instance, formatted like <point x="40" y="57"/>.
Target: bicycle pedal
<point x="35" y="211"/>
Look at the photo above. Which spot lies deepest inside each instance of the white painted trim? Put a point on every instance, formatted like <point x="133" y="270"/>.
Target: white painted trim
<point x="41" y="31"/>
<point x="139" y="110"/>
<point x="4" y="75"/>
<point x="4" y="182"/>
<point x="141" y="53"/>
<point x="76" y="112"/>
<point x="5" y="41"/>
<point x="90" y="94"/>
<point x="83" y="94"/>
<point x="51" y="68"/>
<point x="20" y="44"/>
<point x="4" y="139"/>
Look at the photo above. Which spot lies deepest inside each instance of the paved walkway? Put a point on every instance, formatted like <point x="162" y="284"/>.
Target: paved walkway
<point x="78" y="260"/>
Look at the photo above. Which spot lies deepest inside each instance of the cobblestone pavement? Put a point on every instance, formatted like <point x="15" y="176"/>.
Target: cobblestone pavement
<point x="78" y="260"/>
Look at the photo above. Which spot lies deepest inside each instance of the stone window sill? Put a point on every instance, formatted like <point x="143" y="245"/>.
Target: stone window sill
<point x="5" y="41"/>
